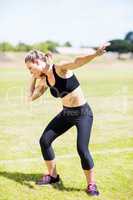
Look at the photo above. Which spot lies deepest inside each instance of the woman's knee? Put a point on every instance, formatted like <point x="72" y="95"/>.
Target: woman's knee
<point x="44" y="140"/>
<point x="83" y="152"/>
<point x="86" y="158"/>
<point x="47" y="138"/>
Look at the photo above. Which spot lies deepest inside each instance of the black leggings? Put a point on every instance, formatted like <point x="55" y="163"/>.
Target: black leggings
<point x="82" y="118"/>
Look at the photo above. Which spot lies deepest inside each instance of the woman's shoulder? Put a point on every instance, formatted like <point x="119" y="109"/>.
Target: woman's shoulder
<point x="62" y="72"/>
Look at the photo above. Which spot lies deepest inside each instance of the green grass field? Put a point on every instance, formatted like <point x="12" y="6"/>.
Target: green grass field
<point x="108" y="88"/>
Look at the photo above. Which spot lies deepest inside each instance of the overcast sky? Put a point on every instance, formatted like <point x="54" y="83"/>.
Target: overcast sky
<point x="82" y="22"/>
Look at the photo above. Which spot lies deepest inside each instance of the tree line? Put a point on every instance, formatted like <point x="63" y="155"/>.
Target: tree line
<point x="117" y="45"/>
<point x="22" y="47"/>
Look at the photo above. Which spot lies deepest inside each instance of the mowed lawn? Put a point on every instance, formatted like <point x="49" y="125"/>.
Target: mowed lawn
<point x="108" y="87"/>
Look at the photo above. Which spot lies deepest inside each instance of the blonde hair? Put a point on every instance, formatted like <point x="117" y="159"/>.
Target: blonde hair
<point x="32" y="55"/>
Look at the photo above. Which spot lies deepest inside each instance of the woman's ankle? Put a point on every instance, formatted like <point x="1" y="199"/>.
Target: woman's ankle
<point x="53" y="174"/>
<point x="92" y="183"/>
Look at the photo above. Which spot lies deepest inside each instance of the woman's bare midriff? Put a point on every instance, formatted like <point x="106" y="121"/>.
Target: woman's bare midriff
<point x="74" y="99"/>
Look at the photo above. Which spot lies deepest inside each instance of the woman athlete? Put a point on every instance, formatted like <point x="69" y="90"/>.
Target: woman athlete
<point x="76" y="111"/>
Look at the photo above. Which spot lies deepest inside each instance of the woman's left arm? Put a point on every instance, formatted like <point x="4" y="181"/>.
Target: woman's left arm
<point x="82" y="60"/>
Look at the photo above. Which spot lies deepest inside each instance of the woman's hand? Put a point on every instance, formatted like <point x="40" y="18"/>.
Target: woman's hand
<point x="101" y="50"/>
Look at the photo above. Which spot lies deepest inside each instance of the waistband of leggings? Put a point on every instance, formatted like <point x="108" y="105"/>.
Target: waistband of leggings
<point x="75" y="108"/>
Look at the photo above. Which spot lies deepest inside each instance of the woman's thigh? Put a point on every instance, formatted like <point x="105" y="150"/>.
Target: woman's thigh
<point x="57" y="126"/>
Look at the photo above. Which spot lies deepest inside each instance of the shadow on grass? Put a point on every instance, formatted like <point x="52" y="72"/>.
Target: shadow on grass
<point x="26" y="179"/>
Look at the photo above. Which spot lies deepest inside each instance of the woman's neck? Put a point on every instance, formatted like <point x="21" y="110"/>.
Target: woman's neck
<point x="49" y="70"/>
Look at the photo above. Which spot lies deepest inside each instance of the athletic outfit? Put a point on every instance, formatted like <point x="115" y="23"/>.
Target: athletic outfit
<point x="80" y="116"/>
<point x="62" y="86"/>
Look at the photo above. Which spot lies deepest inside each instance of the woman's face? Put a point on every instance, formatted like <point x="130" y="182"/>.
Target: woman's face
<point x="37" y="69"/>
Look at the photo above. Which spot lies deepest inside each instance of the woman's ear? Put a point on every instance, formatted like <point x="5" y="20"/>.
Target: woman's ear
<point x="49" y="55"/>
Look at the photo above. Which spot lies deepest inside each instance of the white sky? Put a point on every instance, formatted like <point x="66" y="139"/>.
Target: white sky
<point x="82" y="22"/>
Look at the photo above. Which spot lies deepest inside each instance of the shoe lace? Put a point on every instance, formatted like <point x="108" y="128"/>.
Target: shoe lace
<point x="92" y="187"/>
<point x="46" y="177"/>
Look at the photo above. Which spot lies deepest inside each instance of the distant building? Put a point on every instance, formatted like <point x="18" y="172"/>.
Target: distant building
<point x="73" y="50"/>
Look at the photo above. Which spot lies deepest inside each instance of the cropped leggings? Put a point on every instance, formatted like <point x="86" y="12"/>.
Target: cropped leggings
<point x="82" y="118"/>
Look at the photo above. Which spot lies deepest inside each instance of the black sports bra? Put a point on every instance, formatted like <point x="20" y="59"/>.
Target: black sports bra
<point x="62" y="86"/>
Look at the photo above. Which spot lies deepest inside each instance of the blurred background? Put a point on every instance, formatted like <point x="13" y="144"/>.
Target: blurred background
<point x="48" y="25"/>
<point x="67" y="28"/>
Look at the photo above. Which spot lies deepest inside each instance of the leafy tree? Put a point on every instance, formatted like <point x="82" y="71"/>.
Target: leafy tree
<point x="23" y="47"/>
<point x="67" y="44"/>
<point x="129" y="36"/>
<point x="6" y="46"/>
<point x="120" y="46"/>
<point x="46" y="46"/>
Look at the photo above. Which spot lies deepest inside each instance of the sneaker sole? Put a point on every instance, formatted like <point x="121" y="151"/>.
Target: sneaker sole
<point x="48" y="185"/>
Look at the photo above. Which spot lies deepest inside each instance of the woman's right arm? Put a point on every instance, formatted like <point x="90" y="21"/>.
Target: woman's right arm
<point x="36" y="92"/>
<point x="32" y="86"/>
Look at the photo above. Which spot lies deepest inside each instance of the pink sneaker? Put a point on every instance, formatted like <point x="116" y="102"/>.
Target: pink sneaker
<point x="48" y="179"/>
<point x="92" y="190"/>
